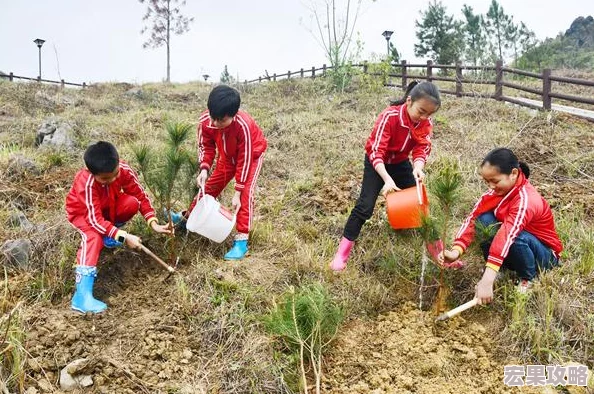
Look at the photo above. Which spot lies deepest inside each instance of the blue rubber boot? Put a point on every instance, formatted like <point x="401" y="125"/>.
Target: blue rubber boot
<point x="111" y="243"/>
<point x="238" y="250"/>
<point x="83" y="300"/>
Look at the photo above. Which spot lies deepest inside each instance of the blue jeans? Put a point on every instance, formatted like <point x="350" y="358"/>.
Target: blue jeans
<point x="527" y="256"/>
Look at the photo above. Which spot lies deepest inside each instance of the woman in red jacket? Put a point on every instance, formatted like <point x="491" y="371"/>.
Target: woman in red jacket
<point x="525" y="241"/>
<point x="400" y="129"/>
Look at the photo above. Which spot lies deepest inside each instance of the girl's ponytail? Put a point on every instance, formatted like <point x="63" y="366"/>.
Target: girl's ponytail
<point x="525" y="169"/>
<point x="409" y="88"/>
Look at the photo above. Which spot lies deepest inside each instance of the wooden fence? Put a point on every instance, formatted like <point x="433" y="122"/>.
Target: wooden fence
<point x="459" y="79"/>
<point x="11" y="77"/>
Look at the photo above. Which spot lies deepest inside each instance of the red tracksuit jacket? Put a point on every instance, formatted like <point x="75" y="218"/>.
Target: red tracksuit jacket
<point x="523" y="208"/>
<point x="395" y="135"/>
<point x="240" y="143"/>
<point x="89" y="198"/>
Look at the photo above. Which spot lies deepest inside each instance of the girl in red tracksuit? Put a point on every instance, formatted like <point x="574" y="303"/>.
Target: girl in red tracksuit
<point x="240" y="144"/>
<point x="401" y="129"/>
<point x="526" y="240"/>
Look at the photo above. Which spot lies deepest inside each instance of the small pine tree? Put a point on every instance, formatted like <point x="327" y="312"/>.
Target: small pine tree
<point x="160" y="170"/>
<point x="307" y="320"/>
<point x="226" y="77"/>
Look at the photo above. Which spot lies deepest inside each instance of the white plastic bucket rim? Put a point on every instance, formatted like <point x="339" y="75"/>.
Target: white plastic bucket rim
<point x="210" y="219"/>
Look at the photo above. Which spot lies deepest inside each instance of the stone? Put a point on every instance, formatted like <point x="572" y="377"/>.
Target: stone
<point x="17" y="252"/>
<point x="135" y="92"/>
<point x="70" y="382"/>
<point x="55" y="133"/>
<point x="18" y="219"/>
<point x="19" y="165"/>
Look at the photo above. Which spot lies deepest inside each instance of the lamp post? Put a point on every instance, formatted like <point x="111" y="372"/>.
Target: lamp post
<point x="387" y="34"/>
<point x="39" y="43"/>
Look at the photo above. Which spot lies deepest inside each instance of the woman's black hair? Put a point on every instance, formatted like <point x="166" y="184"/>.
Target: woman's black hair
<point x="505" y="160"/>
<point x="418" y="90"/>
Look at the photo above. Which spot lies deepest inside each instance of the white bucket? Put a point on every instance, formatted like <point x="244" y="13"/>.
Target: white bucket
<point x="210" y="219"/>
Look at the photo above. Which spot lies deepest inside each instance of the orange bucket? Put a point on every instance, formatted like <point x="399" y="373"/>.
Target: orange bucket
<point x="406" y="207"/>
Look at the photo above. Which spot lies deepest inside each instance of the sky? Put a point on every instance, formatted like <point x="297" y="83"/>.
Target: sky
<point x="100" y="40"/>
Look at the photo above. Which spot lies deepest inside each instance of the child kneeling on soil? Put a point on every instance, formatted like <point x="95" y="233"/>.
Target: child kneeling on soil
<point x="401" y="130"/>
<point x="525" y="241"/>
<point x="241" y="145"/>
<point x="103" y="197"/>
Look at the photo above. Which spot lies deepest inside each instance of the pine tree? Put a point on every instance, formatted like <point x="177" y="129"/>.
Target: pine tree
<point x="474" y="35"/>
<point x="165" y="19"/>
<point x="438" y="35"/>
<point x="496" y="25"/>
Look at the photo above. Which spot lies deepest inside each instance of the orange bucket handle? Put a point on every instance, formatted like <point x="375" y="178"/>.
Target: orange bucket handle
<point x="419" y="182"/>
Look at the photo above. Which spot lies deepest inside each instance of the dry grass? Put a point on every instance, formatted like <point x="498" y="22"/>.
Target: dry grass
<point x="308" y="185"/>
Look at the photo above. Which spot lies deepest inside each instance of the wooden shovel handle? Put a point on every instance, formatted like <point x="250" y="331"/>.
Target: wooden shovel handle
<point x="462" y="308"/>
<point x="157" y="258"/>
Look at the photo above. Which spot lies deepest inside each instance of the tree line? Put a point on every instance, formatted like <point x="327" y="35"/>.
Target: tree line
<point x="477" y="38"/>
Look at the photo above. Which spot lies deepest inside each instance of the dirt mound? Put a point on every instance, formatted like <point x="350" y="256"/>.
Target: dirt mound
<point x="406" y="352"/>
<point x="138" y="345"/>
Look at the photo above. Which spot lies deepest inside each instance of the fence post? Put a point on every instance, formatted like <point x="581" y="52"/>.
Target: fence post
<point x="498" y="79"/>
<point x="10" y="76"/>
<point x="62" y="84"/>
<point x="260" y="79"/>
<point x="301" y="72"/>
<point x="323" y="69"/>
<point x="365" y="67"/>
<point x="39" y="79"/>
<point x="429" y="70"/>
<point x="313" y="71"/>
<point x="458" y="79"/>
<point x="84" y="85"/>
<point x="289" y="74"/>
<point x="546" y="89"/>
<point x="404" y="81"/>
<point x="274" y="77"/>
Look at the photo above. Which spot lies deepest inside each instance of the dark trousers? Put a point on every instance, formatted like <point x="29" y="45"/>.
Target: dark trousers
<point x="371" y="186"/>
<point x="527" y="255"/>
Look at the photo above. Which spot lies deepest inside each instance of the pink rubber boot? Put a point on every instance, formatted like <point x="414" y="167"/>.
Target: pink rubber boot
<point x="342" y="254"/>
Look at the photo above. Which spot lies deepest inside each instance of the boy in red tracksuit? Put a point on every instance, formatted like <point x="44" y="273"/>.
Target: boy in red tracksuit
<point x="240" y="145"/>
<point x="526" y="240"/>
<point x="103" y="197"/>
<point x="401" y="130"/>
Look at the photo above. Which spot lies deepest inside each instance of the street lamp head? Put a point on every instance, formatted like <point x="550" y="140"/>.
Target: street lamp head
<point x="387" y="34"/>
<point x="39" y="42"/>
<point x="205" y="76"/>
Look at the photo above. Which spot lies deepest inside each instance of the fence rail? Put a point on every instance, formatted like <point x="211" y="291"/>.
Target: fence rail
<point x="546" y="94"/>
<point x="11" y="77"/>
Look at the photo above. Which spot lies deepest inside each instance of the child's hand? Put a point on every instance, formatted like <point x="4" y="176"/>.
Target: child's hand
<point x="162" y="228"/>
<point x="448" y="255"/>
<point x="236" y="201"/>
<point x="418" y="173"/>
<point x="201" y="179"/>
<point x="132" y="241"/>
<point x="389" y="186"/>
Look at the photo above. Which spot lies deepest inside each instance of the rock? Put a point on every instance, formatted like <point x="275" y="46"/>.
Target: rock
<point x="72" y="382"/>
<point x="19" y="165"/>
<point x="45" y="386"/>
<point x="17" y="252"/>
<point x="55" y="133"/>
<point x="31" y="390"/>
<point x="18" y="219"/>
<point x="135" y="92"/>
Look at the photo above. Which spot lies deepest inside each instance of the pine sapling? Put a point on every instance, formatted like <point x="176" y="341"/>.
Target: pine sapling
<point x="161" y="171"/>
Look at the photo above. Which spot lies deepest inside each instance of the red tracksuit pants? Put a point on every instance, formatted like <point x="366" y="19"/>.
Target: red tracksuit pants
<point x="221" y="176"/>
<point x="92" y="242"/>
